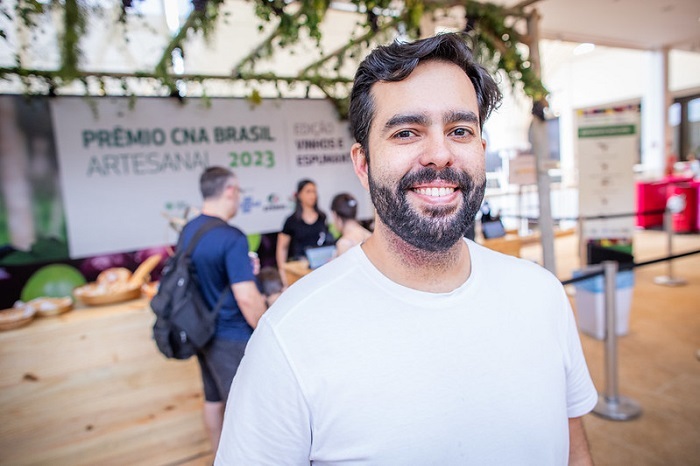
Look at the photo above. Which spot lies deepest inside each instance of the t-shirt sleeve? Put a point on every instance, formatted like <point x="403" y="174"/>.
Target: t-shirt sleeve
<point x="581" y="393"/>
<point x="238" y="265"/>
<point x="267" y="421"/>
<point x="288" y="228"/>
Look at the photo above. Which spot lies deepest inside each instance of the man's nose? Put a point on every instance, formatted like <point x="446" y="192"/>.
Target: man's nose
<point x="437" y="152"/>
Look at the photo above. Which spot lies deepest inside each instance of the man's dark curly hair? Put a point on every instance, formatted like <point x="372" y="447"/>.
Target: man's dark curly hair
<point x="397" y="61"/>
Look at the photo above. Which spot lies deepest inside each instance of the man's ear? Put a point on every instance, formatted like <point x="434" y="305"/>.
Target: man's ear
<point x="360" y="164"/>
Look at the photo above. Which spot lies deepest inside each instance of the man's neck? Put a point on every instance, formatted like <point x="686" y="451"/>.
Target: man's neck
<point x="435" y="272"/>
<point x="213" y="209"/>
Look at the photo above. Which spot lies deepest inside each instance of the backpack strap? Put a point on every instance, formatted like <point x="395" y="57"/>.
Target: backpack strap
<point x="209" y="225"/>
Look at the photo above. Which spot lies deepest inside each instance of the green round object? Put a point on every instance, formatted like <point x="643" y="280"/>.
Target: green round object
<point x="54" y="281"/>
<point x="254" y="240"/>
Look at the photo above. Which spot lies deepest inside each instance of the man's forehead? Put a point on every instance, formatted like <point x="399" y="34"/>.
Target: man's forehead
<point x="425" y="90"/>
<point x="428" y="68"/>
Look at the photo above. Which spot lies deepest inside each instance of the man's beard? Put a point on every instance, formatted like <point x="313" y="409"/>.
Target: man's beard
<point x="438" y="228"/>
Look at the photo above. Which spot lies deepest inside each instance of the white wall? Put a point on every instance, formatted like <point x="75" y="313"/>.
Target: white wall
<point x="685" y="72"/>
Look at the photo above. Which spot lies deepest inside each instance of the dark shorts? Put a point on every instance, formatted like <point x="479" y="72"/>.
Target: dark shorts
<point x="219" y="362"/>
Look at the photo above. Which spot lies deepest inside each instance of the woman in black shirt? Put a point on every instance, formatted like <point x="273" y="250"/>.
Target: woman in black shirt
<point x="305" y="228"/>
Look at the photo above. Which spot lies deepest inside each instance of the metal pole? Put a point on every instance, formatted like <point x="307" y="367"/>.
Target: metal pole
<point x="669" y="280"/>
<point x="539" y="148"/>
<point x="610" y="269"/>
<point x="611" y="405"/>
<point x="524" y="225"/>
<point x="582" y="252"/>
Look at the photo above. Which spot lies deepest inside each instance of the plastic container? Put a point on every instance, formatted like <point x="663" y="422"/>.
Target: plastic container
<point x="685" y="221"/>
<point x="590" y="303"/>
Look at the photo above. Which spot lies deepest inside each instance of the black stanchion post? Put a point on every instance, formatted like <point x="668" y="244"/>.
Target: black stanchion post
<point x="611" y="405"/>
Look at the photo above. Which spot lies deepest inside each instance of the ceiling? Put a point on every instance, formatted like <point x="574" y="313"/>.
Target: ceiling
<point x="638" y="24"/>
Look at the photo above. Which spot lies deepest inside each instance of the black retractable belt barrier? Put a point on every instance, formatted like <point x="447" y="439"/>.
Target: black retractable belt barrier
<point x="580" y="220"/>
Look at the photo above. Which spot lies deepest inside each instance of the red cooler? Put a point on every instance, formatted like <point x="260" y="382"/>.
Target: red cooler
<point x="697" y="212"/>
<point x="651" y="196"/>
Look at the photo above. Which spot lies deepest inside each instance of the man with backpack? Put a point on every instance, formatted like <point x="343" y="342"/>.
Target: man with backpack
<point x="224" y="273"/>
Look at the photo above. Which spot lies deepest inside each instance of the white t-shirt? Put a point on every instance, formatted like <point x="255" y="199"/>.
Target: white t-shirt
<point x="351" y="368"/>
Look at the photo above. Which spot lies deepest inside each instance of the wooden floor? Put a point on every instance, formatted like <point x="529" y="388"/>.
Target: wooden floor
<point x="658" y="361"/>
<point x="89" y="388"/>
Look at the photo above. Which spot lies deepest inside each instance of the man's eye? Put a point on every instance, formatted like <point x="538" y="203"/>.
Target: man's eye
<point x="462" y="132"/>
<point x="404" y="134"/>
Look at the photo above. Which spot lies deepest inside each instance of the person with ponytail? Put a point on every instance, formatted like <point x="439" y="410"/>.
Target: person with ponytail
<point x="344" y="211"/>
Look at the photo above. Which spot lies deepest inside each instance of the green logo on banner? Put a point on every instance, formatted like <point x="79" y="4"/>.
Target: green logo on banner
<point x="604" y="131"/>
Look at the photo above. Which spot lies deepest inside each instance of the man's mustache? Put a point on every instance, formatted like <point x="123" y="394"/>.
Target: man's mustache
<point x="427" y="175"/>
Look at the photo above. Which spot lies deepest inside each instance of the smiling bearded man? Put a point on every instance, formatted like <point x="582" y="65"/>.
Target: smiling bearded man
<point x="417" y="346"/>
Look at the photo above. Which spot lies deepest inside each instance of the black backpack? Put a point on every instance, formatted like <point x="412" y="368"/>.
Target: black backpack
<point x="184" y="323"/>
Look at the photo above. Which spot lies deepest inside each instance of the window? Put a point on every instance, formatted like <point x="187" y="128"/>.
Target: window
<point x="693" y="133"/>
<point x="684" y="119"/>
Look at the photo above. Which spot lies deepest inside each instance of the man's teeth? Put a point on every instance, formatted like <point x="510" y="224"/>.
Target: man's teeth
<point x="435" y="192"/>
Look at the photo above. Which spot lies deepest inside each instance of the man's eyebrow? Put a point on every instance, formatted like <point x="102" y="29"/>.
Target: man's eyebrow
<point x="411" y="119"/>
<point x="454" y="116"/>
<point x="458" y="115"/>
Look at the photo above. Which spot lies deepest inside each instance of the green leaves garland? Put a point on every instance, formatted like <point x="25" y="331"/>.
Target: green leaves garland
<point x="489" y="27"/>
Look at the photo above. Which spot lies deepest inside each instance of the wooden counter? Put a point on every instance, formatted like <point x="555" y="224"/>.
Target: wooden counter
<point x="89" y="387"/>
<point x="294" y="270"/>
<point x="509" y="244"/>
<point x="512" y="242"/>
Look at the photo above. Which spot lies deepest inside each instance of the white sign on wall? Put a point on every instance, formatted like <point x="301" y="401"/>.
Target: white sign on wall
<point x="522" y="170"/>
<point x="123" y="169"/>
<point x="607" y="149"/>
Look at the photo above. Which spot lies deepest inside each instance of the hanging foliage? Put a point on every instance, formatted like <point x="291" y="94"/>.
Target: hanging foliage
<point x="74" y="27"/>
<point x="490" y="28"/>
<point x="496" y="43"/>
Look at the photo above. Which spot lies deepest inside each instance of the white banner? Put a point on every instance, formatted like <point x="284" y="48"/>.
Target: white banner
<point x="608" y="143"/>
<point x="124" y="169"/>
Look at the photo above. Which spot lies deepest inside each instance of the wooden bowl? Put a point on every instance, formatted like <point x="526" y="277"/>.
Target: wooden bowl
<point x="93" y="294"/>
<point x="114" y="275"/>
<point x="46" y="307"/>
<point x="16" y="317"/>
